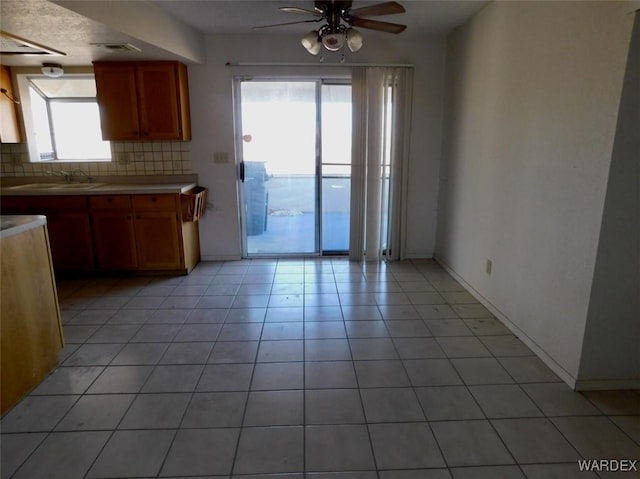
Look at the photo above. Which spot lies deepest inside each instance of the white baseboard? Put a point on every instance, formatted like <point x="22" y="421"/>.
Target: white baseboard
<point x="418" y="255"/>
<point x="217" y="257"/>
<point x="531" y="344"/>
<point x="575" y="384"/>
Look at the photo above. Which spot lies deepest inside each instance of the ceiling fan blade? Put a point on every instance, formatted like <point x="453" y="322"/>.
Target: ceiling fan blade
<point x="304" y="11"/>
<point x="377" y="25"/>
<point x="387" y="8"/>
<point x="260" y="27"/>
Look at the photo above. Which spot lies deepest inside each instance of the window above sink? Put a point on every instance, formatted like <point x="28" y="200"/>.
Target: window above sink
<point x="62" y="119"/>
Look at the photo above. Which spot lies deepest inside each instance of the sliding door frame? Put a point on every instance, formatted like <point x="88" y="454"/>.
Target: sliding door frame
<point x="319" y="81"/>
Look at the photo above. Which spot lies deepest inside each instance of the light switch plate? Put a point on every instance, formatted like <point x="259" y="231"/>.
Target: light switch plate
<point x="220" y="157"/>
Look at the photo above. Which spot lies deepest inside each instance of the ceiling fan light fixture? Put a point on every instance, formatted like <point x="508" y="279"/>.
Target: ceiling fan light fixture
<point x="334" y="41"/>
<point x="339" y="18"/>
<point x="52" y="70"/>
<point x="311" y="42"/>
<point x="354" y="40"/>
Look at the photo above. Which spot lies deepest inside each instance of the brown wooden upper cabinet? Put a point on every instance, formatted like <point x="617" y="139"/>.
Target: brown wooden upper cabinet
<point x="9" y="126"/>
<point x="143" y="100"/>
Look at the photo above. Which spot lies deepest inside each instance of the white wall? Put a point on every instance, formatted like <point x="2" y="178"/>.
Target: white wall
<point x="613" y="322"/>
<point x="210" y="88"/>
<point x="533" y="96"/>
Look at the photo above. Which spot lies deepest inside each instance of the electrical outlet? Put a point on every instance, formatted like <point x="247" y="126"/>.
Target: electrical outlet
<point x="220" y="157"/>
<point x="489" y="267"/>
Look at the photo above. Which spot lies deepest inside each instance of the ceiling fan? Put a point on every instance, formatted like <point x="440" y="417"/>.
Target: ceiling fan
<point x="340" y="19"/>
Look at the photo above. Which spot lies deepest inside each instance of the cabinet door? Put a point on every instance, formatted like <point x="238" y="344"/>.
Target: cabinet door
<point x="9" y="126"/>
<point x="114" y="238"/>
<point x="70" y="240"/>
<point x="117" y="99"/>
<point x="158" y="102"/>
<point x="158" y="240"/>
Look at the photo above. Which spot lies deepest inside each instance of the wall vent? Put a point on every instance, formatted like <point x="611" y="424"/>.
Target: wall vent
<point x="118" y="47"/>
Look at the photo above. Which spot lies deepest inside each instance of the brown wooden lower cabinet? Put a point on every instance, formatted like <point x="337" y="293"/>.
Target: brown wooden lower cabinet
<point x="114" y="239"/>
<point x="68" y="223"/>
<point x="115" y="232"/>
<point x="29" y="315"/>
<point x="157" y="240"/>
<point x="71" y="240"/>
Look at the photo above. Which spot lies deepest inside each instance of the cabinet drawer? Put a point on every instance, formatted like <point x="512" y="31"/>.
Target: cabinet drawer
<point x="110" y="202"/>
<point x="63" y="202"/>
<point x="41" y="204"/>
<point x="156" y="202"/>
<point x="12" y="205"/>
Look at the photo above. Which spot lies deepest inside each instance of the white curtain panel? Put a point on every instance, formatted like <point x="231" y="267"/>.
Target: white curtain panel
<point x="381" y="99"/>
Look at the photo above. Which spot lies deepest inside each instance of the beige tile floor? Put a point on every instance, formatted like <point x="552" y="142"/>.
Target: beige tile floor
<point x="326" y="368"/>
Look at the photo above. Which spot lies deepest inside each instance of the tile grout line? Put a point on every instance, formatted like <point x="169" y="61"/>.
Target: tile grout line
<point x="246" y="406"/>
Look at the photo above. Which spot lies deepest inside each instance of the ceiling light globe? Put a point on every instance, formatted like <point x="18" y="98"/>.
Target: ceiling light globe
<point x="333" y="41"/>
<point x="52" y="70"/>
<point x="315" y="49"/>
<point x="311" y="43"/>
<point x="354" y="40"/>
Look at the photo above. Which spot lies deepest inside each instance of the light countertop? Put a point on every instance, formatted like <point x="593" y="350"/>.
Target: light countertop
<point x="12" y="225"/>
<point x="57" y="189"/>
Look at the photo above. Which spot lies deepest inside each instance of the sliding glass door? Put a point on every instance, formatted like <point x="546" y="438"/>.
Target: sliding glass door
<point x="335" y="166"/>
<point x="295" y="143"/>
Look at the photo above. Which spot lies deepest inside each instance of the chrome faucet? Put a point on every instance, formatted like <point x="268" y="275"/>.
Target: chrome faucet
<point x="80" y="172"/>
<point x="63" y="174"/>
<point x="68" y="177"/>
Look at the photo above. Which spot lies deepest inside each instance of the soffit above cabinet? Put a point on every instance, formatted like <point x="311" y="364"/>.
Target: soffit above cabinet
<point x="74" y="34"/>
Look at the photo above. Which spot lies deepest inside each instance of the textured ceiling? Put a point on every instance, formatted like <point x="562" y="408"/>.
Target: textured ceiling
<point x="54" y="26"/>
<point x="237" y="16"/>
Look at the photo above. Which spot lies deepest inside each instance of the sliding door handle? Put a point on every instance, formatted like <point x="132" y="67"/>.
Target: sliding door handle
<point x="242" y="171"/>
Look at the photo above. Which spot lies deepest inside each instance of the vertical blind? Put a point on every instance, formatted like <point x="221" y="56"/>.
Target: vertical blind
<point x="381" y="100"/>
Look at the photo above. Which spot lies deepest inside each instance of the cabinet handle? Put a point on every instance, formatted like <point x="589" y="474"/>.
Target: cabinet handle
<point x="154" y="199"/>
<point x="145" y="133"/>
<point x="129" y="217"/>
<point x="138" y="217"/>
<point x="109" y="200"/>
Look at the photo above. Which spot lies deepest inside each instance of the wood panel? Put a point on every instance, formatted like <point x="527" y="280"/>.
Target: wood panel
<point x="114" y="232"/>
<point x="143" y="100"/>
<point x="68" y="225"/>
<point x="71" y="240"/>
<point x="110" y="202"/>
<point x="117" y="100"/>
<point x="155" y="202"/>
<point x="30" y="329"/>
<point x="19" y="205"/>
<point x="41" y="205"/>
<point x="9" y="123"/>
<point x="55" y="203"/>
<point x="159" y="240"/>
<point x="114" y="239"/>
<point x="191" y="244"/>
<point x="158" y="101"/>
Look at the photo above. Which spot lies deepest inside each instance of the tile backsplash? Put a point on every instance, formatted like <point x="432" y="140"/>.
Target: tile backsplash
<point x="128" y="158"/>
